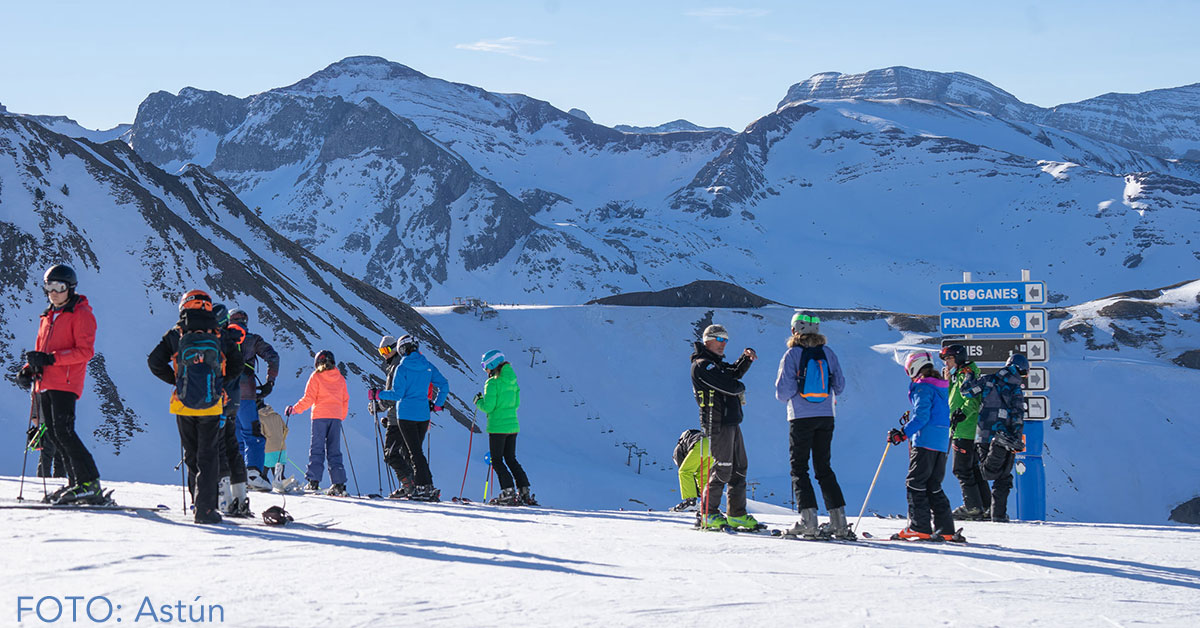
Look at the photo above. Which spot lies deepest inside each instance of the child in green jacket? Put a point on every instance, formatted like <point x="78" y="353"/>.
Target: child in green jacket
<point x="499" y="401"/>
<point x="964" y="415"/>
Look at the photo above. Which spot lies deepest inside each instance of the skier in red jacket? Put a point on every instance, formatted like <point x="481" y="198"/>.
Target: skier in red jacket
<point x="56" y="369"/>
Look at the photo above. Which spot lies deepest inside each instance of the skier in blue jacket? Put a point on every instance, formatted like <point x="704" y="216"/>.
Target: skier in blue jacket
<point x="929" y="429"/>
<point x="414" y="379"/>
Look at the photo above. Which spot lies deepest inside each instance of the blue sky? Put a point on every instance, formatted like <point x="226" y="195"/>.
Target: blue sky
<point x="644" y="63"/>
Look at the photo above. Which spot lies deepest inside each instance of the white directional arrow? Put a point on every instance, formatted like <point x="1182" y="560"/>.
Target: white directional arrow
<point x="1038" y="408"/>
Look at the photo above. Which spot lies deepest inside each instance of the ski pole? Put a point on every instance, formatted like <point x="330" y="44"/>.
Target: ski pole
<point x="886" y="447"/>
<point x="378" y="465"/>
<point x="182" y="480"/>
<point x="488" y="459"/>
<point x="469" y="441"/>
<point x="351" y="459"/>
<point x="25" y="456"/>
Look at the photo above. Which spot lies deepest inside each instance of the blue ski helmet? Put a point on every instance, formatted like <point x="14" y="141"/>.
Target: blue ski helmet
<point x="491" y="359"/>
<point x="1018" y="363"/>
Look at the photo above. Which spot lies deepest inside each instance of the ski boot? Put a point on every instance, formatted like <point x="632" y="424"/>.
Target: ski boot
<point x="744" y="522"/>
<point x="687" y="505"/>
<point x="255" y="480"/>
<point x="337" y="490"/>
<point x="954" y="537"/>
<point x="405" y="490"/>
<point x="507" y="497"/>
<point x="239" y="502"/>
<point x="85" y="493"/>
<point x="210" y="516"/>
<point x="999" y="517"/>
<point x="806" y="527"/>
<point x="224" y="495"/>
<point x="526" y="496"/>
<point x="53" y="497"/>
<point x="963" y="513"/>
<point x="711" y="521"/>
<point x="425" y="493"/>
<point x="313" y="486"/>
<point x="838" y="527"/>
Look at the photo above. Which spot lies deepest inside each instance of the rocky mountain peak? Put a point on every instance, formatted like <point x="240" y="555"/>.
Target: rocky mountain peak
<point x="904" y="82"/>
<point x="360" y="68"/>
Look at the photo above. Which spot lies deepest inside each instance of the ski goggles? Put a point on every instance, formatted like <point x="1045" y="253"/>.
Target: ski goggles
<point x="55" y="286"/>
<point x="386" y="350"/>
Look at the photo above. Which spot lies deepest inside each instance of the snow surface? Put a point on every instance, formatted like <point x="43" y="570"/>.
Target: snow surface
<point x="388" y="563"/>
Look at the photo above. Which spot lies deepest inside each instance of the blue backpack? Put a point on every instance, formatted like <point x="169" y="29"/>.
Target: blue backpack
<point x="812" y="380"/>
<point x="199" y="369"/>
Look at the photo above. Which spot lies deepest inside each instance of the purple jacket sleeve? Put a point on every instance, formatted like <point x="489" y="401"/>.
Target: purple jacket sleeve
<point x="785" y="379"/>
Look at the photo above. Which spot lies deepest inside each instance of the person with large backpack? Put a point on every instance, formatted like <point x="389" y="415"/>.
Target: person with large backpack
<point x="249" y="428"/>
<point x="720" y="393"/>
<point x="929" y="429"/>
<point x="55" y="371"/>
<point x="964" y="416"/>
<point x="809" y="381"/>
<point x="326" y="394"/>
<point x="693" y="456"/>
<point x="410" y="391"/>
<point x="999" y="435"/>
<point x="499" y="401"/>
<point x="196" y="358"/>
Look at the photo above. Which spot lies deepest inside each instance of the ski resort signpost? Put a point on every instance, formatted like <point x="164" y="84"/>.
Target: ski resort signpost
<point x="1005" y="308"/>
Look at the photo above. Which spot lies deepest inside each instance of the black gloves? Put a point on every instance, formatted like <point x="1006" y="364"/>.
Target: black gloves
<point x="33" y="437"/>
<point x="256" y="428"/>
<point x="383" y="420"/>
<point x="25" y="377"/>
<point x="39" y="360"/>
<point x="266" y="388"/>
<point x="896" y="437"/>
<point x="956" y="417"/>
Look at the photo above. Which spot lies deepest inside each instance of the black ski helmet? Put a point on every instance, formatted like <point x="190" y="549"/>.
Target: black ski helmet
<point x="63" y="273"/>
<point x="221" y="313"/>
<point x="239" y="316"/>
<point x="958" y="352"/>
<point x="325" y="356"/>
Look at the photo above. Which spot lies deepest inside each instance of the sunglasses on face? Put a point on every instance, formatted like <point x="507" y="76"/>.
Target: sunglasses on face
<point x="55" y="286"/>
<point x="721" y="340"/>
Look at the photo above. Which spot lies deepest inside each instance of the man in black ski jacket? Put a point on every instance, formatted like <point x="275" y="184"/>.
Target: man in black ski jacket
<point x="720" y="393"/>
<point x="393" y="442"/>
<point x="249" y="429"/>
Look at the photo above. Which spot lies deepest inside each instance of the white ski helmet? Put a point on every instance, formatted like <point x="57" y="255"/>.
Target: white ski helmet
<point x="491" y="359"/>
<point x="916" y="361"/>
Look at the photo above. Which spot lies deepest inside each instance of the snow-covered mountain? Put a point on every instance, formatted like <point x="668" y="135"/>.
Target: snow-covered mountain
<point x="138" y="238"/>
<point x="70" y="128"/>
<point x="866" y="178"/>
<point x="673" y="126"/>
<point x="1160" y="122"/>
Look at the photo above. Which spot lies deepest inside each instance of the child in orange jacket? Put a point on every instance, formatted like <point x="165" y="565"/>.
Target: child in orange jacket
<point x="326" y="394"/>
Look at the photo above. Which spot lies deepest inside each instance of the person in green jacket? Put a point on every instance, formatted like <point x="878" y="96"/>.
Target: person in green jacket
<point x="964" y="415"/>
<point x="499" y="401"/>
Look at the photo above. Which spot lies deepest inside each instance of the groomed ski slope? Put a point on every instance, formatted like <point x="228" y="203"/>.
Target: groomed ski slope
<point x="388" y="563"/>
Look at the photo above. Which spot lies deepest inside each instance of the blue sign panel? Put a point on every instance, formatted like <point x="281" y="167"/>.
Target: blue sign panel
<point x="1005" y="322"/>
<point x="993" y="293"/>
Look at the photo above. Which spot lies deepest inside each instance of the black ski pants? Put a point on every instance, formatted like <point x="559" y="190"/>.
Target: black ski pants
<point x="966" y="468"/>
<point x="412" y="435"/>
<point x="394" y="454"/>
<point x="996" y="464"/>
<point x="729" y="468"/>
<point x="926" y="470"/>
<point x="50" y="461"/>
<point x="57" y="409"/>
<point x="504" y="459"/>
<point x="200" y="437"/>
<point x="813" y="436"/>
<point x="229" y="454"/>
